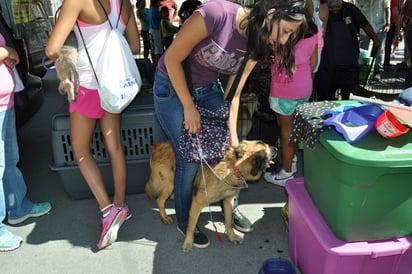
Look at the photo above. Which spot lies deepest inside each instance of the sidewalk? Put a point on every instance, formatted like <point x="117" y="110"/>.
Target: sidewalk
<point x="65" y="240"/>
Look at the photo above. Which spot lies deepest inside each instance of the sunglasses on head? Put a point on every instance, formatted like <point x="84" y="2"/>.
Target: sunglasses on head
<point x="295" y="10"/>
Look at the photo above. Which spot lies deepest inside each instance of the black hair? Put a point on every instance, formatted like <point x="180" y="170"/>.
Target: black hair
<point x="259" y="27"/>
<point x="164" y="10"/>
<point x="187" y="8"/>
<point x="308" y="27"/>
<point x="154" y="3"/>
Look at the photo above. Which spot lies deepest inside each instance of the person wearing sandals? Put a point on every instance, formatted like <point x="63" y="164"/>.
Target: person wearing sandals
<point x="89" y="18"/>
<point x="13" y="190"/>
<point x="215" y="40"/>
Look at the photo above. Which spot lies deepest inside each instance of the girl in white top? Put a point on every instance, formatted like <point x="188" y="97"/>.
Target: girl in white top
<point x="91" y="17"/>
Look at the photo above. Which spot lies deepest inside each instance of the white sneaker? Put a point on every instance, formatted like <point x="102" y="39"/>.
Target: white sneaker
<point x="294" y="163"/>
<point x="278" y="178"/>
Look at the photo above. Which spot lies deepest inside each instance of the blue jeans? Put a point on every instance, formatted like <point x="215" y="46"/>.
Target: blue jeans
<point x="169" y="112"/>
<point x="13" y="185"/>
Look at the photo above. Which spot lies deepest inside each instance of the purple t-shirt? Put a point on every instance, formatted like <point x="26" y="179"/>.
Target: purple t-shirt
<point x="222" y="51"/>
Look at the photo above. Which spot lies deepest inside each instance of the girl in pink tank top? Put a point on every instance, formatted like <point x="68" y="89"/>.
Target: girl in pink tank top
<point x="84" y="113"/>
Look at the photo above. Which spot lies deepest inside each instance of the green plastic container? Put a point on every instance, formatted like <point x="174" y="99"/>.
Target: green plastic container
<point x="363" y="190"/>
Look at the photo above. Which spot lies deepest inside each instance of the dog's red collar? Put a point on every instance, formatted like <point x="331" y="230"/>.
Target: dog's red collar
<point x="236" y="171"/>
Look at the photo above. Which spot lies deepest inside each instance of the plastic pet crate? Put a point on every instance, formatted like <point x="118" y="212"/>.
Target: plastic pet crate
<point x="140" y="130"/>
<point x="314" y="248"/>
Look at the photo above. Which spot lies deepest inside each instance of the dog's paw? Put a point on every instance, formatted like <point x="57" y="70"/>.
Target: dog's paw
<point x="167" y="220"/>
<point x="187" y="247"/>
<point x="71" y="96"/>
<point x="235" y="239"/>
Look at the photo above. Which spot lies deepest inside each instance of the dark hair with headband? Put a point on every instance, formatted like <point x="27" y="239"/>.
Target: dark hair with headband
<point x="259" y="27"/>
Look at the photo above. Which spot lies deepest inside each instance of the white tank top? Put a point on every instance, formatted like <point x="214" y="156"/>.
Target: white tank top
<point x="94" y="37"/>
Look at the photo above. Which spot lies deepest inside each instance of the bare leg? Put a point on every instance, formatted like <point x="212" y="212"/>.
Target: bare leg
<point x="287" y="149"/>
<point x="82" y="129"/>
<point x="110" y="125"/>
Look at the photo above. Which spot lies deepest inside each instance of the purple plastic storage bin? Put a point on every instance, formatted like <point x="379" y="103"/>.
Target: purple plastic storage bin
<point x="315" y="249"/>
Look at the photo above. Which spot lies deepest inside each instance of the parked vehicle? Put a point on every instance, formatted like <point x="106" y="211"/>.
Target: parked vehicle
<point x="29" y="21"/>
<point x="29" y="100"/>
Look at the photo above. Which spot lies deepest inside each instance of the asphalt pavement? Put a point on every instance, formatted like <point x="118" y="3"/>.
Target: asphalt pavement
<point x="64" y="241"/>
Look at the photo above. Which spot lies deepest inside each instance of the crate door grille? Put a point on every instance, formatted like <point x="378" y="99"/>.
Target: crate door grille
<point x="137" y="142"/>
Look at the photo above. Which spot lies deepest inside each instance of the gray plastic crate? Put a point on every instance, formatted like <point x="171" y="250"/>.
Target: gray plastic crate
<point x="140" y="130"/>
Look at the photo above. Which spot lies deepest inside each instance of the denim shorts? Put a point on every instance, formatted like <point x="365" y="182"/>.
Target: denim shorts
<point x="285" y="106"/>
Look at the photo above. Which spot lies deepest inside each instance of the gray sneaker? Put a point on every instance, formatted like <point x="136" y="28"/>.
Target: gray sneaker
<point x="240" y="222"/>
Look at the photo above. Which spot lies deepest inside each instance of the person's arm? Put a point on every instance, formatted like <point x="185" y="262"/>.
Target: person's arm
<point x="169" y="26"/>
<point x="314" y="59"/>
<point x="189" y="35"/>
<point x="388" y="19"/>
<point x="234" y="110"/>
<point x="69" y="12"/>
<point x="396" y="20"/>
<point x="68" y="15"/>
<point x="310" y="6"/>
<point x="175" y="9"/>
<point x="372" y="35"/>
<point x="131" y="32"/>
<point x="9" y="56"/>
<point x="323" y="14"/>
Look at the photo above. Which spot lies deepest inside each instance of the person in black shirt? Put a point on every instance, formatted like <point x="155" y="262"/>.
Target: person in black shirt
<point x="339" y="65"/>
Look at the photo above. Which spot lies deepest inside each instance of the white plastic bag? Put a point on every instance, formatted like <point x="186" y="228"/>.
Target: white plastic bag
<point x="117" y="73"/>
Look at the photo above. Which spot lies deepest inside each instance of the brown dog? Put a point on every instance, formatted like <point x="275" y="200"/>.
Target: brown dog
<point x="247" y="162"/>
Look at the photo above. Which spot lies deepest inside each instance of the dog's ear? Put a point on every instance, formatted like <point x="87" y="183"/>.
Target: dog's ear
<point x="259" y="163"/>
<point x="239" y="151"/>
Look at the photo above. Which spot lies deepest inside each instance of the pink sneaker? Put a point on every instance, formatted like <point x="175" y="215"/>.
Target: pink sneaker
<point x="126" y="210"/>
<point x="110" y="226"/>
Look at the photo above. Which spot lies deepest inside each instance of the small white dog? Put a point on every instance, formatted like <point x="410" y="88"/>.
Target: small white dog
<point x="66" y="72"/>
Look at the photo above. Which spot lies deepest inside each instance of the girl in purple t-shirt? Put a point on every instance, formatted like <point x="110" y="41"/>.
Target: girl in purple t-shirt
<point x="214" y="40"/>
